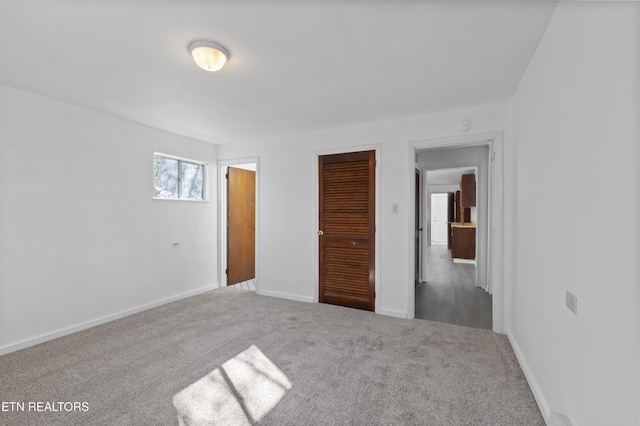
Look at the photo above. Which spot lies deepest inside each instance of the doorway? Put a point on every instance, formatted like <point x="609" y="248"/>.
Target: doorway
<point x="238" y="223"/>
<point x="448" y="291"/>
<point x="491" y="243"/>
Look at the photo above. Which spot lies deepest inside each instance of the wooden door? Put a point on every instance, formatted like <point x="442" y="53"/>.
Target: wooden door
<point x="347" y="229"/>
<point x="450" y="215"/>
<point x="241" y="220"/>
<point x="418" y="228"/>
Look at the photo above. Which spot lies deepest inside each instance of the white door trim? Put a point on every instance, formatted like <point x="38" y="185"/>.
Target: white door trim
<point x="495" y="235"/>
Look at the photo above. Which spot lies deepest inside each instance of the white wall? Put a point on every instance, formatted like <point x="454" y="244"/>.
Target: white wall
<point x="573" y="187"/>
<point x="81" y="239"/>
<point x="442" y="187"/>
<point x="287" y="222"/>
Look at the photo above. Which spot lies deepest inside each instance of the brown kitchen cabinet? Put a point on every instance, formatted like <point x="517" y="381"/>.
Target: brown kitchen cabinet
<point x="463" y="214"/>
<point x="463" y="241"/>
<point x="468" y="190"/>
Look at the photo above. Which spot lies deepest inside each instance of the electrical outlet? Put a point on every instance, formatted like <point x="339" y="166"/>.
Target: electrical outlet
<point x="395" y="208"/>
<point x="572" y="302"/>
<point x="175" y="245"/>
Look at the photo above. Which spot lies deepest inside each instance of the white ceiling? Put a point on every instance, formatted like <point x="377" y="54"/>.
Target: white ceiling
<point x="295" y="67"/>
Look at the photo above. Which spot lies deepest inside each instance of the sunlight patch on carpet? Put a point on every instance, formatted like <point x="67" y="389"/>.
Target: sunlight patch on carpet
<point x="241" y="392"/>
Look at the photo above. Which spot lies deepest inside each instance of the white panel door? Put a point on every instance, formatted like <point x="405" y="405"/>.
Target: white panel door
<point x="439" y="215"/>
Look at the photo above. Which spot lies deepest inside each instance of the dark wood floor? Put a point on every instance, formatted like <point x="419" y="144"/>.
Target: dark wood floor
<point x="449" y="294"/>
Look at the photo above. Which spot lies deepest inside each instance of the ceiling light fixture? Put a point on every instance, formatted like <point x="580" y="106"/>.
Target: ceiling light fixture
<point x="208" y="55"/>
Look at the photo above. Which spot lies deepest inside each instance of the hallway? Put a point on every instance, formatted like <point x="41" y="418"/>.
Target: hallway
<point x="449" y="294"/>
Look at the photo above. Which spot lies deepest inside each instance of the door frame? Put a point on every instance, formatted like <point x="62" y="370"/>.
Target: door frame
<point x="495" y="250"/>
<point x="316" y="220"/>
<point x="223" y="165"/>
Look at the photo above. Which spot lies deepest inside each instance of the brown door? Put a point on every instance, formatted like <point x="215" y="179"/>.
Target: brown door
<point x="347" y="229"/>
<point x="241" y="219"/>
<point x="451" y="211"/>
<point x="418" y="228"/>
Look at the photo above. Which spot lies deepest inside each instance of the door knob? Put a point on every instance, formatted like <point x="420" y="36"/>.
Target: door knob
<point x="320" y="233"/>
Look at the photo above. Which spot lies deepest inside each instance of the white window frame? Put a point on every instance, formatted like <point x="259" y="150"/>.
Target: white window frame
<point x="205" y="178"/>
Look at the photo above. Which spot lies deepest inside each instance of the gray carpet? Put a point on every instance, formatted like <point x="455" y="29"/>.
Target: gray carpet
<point x="329" y="366"/>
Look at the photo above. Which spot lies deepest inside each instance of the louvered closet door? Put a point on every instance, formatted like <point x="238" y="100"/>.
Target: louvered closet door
<point x="347" y="229"/>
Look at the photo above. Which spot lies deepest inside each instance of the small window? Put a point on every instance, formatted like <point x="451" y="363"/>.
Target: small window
<point x="178" y="179"/>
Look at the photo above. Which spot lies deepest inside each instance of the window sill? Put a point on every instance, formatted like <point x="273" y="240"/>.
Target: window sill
<point x="188" y="200"/>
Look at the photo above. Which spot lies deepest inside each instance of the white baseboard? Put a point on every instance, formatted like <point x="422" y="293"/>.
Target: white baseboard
<point x="98" y="321"/>
<point x="288" y="296"/>
<point x="533" y="384"/>
<point x="393" y="313"/>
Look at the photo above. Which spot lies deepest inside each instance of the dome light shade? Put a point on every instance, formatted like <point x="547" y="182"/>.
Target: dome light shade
<point x="208" y="55"/>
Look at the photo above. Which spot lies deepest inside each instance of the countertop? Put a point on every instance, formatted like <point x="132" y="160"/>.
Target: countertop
<point x="463" y="224"/>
